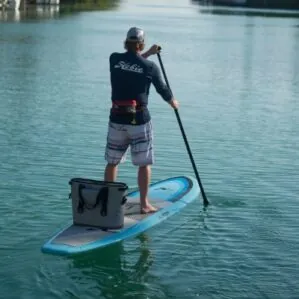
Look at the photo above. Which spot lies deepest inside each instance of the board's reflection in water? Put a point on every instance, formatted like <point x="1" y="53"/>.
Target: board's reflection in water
<point x="116" y="271"/>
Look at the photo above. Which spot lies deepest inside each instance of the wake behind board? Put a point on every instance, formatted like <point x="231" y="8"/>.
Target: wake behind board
<point x="170" y="196"/>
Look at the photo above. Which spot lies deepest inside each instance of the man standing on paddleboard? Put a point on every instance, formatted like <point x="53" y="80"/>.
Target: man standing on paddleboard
<point x="131" y="75"/>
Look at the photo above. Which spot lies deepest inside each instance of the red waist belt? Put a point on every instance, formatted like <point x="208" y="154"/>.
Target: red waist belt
<point x="129" y="106"/>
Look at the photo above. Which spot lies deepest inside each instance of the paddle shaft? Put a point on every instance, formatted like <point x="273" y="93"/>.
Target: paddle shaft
<point x="205" y="200"/>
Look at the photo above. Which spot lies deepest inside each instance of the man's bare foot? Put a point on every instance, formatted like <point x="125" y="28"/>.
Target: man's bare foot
<point x="148" y="209"/>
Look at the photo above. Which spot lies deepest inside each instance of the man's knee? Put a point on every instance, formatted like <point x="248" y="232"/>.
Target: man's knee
<point x="112" y="165"/>
<point x="144" y="166"/>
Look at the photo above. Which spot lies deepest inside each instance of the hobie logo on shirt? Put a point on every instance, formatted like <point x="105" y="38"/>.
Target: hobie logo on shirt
<point x="128" y="67"/>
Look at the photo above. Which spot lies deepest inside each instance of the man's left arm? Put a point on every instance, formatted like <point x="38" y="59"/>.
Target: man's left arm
<point x="153" y="50"/>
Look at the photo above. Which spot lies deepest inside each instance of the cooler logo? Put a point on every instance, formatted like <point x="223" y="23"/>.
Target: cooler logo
<point x="128" y="67"/>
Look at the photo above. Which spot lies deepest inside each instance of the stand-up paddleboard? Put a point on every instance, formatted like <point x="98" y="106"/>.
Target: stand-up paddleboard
<point x="170" y="196"/>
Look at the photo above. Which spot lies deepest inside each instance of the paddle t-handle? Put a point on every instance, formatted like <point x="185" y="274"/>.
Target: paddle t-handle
<point x="205" y="200"/>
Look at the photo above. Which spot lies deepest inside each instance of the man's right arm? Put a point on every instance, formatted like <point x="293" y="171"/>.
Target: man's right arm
<point x="161" y="88"/>
<point x="111" y="60"/>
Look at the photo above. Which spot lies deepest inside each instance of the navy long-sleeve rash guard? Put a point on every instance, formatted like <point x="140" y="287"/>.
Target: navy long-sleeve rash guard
<point x="131" y="76"/>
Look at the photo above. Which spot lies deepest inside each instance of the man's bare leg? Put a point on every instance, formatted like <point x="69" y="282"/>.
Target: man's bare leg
<point x="144" y="177"/>
<point x="111" y="172"/>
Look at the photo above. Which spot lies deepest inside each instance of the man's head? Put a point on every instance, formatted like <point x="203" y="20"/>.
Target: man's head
<point x="135" y="40"/>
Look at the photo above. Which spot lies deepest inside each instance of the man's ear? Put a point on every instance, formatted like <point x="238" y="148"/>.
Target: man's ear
<point x="141" y="47"/>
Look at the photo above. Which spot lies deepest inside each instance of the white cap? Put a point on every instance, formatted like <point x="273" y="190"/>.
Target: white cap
<point x="135" y="35"/>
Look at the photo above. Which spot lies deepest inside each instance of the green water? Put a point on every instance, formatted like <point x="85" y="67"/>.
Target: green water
<point x="237" y="79"/>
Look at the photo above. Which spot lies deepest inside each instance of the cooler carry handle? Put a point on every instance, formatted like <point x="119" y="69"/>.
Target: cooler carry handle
<point x="102" y="196"/>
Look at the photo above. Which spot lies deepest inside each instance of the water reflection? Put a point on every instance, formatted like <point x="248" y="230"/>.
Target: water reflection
<point x="37" y="12"/>
<point x="31" y="12"/>
<point x="115" y="271"/>
<point x="227" y="10"/>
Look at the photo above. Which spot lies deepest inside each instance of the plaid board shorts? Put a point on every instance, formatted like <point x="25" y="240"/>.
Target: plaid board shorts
<point x="138" y="138"/>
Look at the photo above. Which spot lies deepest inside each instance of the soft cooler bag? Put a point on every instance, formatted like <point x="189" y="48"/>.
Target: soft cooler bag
<point x="98" y="203"/>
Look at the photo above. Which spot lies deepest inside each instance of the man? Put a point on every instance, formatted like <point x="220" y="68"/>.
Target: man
<point x="131" y="75"/>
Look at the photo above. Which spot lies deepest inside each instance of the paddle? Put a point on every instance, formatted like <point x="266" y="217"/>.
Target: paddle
<point x="205" y="200"/>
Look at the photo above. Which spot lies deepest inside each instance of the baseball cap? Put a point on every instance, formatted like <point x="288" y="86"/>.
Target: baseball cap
<point x="135" y="35"/>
